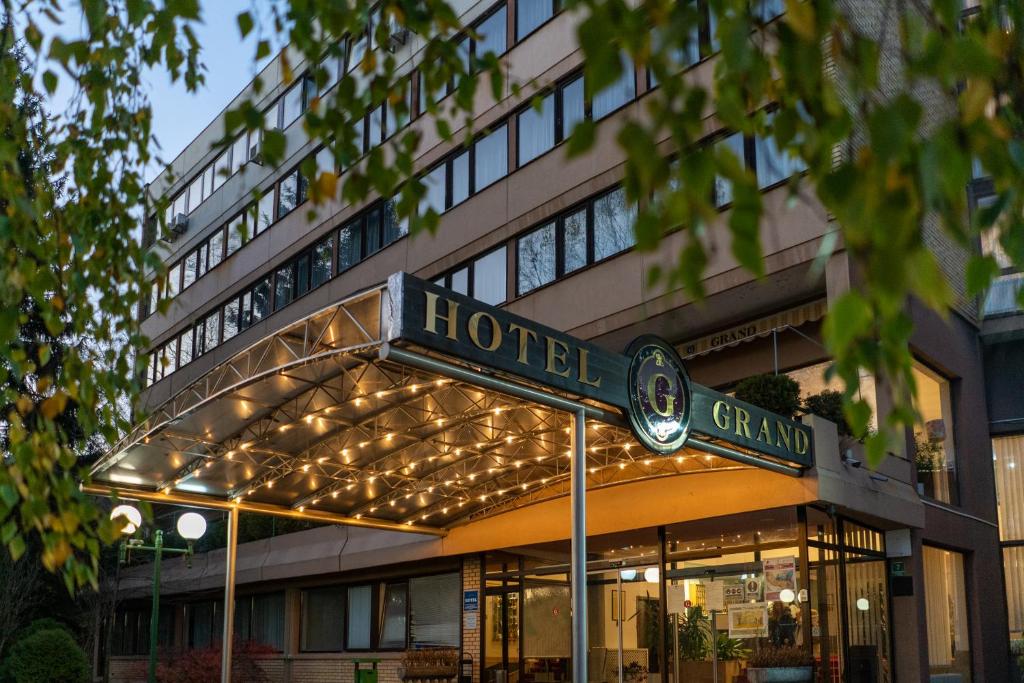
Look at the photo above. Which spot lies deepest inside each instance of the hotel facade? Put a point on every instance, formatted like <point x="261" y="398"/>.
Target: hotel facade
<point x="282" y="380"/>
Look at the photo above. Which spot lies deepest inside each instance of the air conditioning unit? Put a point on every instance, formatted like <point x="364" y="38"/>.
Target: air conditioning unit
<point x="256" y="153"/>
<point x="397" y="38"/>
<point x="179" y="224"/>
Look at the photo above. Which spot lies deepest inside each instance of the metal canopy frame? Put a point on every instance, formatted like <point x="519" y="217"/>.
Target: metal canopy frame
<point x="325" y="421"/>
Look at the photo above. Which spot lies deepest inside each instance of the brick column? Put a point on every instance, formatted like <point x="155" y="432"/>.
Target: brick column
<point x="471" y="641"/>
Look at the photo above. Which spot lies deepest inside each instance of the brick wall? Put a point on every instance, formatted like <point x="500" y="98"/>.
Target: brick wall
<point x="128" y="669"/>
<point x="471" y="622"/>
<point x="283" y="669"/>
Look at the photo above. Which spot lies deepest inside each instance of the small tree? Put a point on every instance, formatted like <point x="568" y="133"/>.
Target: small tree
<point x="777" y="393"/>
<point x="47" y="656"/>
<point x="829" y="405"/>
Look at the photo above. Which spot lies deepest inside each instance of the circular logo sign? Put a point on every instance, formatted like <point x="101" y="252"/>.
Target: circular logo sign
<point x="659" y="395"/>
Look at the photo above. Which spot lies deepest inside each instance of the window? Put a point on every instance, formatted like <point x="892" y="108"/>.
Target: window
<point x="189" y="270"/>
<point x="203" y="254"/>
<point x="393" y="619"/>
<point x="360" y="608"/>
<point x="489" y="277"/>
<point x="459" y="281"/>
<point x="173" y="280"/>
<point x="208" y="182"/>
<point x="284" y="286"/>
<point x="185" y="348"/>
<point x="435" y="611"/>
<point x="618" y="93"/>
<point x="221" y="168"/>
<point x="1008" y="461"/>
<point x="261" y="300"/>
<point x="460" y="178"/>
<point x="398" y="115"/>
<point x="358" y="51"/>
<point x="237" y="233"/>
<point x="491" y="158"/>
<point x="260" y="619"/>
<point x="530" y="14"/>
<point x="216" y="249"/>
<point x="934" y="452"/>
<point x="945" y="596"/>
<point x="239" y="152"/>
<point x="264" y="211"/>
<point x="601" y="228"/>
<point x="613" y="224"/>
<point x="536" y="132"/>
<point x="375" y="126"/>
<point x="394" y="225"/>
<point x="350" y="245"/>
<point x="772" y="164"/>
<point x="536" y="252"/>
<point x="293" y="103"/>
<point x="321" y="266"/>
<point x="289" y="193"/>
<point x="180" y="204"/>
<point x="204" y="623"/>
<point x="723" y="186"/>
<point x="492" y="34"/>
<point x="231" y="312"/>
<point x="573" y="105"/>
<point x="323" y="620"/>
<point x="211" y="329"/>
<point x="435" y="194"/>
<point x="195" y="194"/>
<point x="171" y="356"/>
<point x="766" y="10"/>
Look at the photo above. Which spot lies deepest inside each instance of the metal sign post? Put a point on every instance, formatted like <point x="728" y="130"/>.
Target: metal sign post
<point x="578" y="476"/>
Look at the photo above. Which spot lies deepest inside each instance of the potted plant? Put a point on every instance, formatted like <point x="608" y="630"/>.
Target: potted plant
<point x="929" y="457"/>
<point x="788" y="664"/>
<point x="634" y="672"/>
<point x="695" y="658"/>
<point x="829" y="405"/>
<point x="779" y="394"/>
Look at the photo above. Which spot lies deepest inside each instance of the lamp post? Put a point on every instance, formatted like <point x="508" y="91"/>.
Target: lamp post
<point x="191" y="527"/>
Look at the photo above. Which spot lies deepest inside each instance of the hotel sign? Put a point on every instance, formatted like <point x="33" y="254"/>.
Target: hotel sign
<point x="649" y="383"/>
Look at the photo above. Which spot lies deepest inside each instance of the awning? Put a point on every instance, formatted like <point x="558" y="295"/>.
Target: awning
<point x="314" y="421"/>
<point x="790" y="318"/>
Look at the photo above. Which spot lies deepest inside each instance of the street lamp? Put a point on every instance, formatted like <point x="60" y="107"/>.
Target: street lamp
<point x="191" y="527"/>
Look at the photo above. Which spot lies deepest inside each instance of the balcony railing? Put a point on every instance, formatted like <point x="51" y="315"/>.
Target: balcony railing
<point x="1002" y="296"/>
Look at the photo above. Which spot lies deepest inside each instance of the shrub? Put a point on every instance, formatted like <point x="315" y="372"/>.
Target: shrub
<point x="202" y="665"/>
<point x="47" y="656"/>
<point x="829" y="405"/>
<point x="774" y="657"/>
<point x="776" y="393"/>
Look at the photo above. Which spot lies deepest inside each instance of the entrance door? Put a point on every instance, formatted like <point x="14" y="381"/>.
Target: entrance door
<point x="623" y="611"/>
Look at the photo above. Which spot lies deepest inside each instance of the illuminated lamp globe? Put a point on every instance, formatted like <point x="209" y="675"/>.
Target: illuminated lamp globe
<point x="651" y="575"/>
<point x="129" y="516"/>
<point x="191" y="526"/>
<point x="863" y="605"/>
<point x="627" y="574"/>
<point x="787" y="596"/>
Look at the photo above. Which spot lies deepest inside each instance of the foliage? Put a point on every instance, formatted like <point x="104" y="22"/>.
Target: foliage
<point x="47" y="656"/>
<point x="694" y="635"/>
<point x="888" y="159"/>
<point x="787" y="656"/>
<point x="202" y="665"/>
<point x="776" y="393"/>
<point x="731" y="649"/>
<point x="829" y="405"/>
<point x="929" y="456"/>
<point x="430" y="662"/>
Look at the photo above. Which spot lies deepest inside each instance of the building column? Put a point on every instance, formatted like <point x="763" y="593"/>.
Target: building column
<point x="472" y="622"/>
<point x="909" y="627"/>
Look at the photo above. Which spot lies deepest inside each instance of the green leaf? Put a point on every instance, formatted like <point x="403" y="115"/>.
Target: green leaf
<point x="50" y="81"/>
<point x="582" y="138"/>
<point x="981" y="270"/>
<point x="245" y="23"/>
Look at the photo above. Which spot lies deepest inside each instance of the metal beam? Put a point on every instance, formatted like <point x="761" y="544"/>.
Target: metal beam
<point x="578" y="563"/>
<point x="200" y="501"/>
<point x="230" y="564"/>
<point x="739" y="456"/>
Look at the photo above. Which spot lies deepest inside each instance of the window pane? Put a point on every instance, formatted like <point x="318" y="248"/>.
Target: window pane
<point x="321" y="272"/>
<point x="189" y="271"/>
<point x="392" y="630"/>
<point x="261" y="301"/>
<point x="208" y="182"/>
<point x="945" y="597"/>
<point x="372" y="233"/>
<point x="238" y="233"/>
<point x="359" y="136"/>
<point x="460" y="178"/>
<point x="536" y="252"/>
<point x="1013" y="571"/>
<point x="766" y="10"/>
<point x="302" y="274"/>
<point x="284" y="287"/>
<point x="322" y="620"/>
<point x="350" y="245"/>
<point x="618" y="93"/>
<point x="324" y="160"/>
<point x="492" y="34"/>
<point x="173" y="280"/>
<point x="331" y="68"/>
<point x="265" y="211"/>
<point x="230" y="319"/>
<point x="536" y="130"/>
<point x="216" y="248"/>
<point x="376" y="126"/>
<point x="268" y="620"/>
<point x="491" y="158"/>
<point x="212" y="331"/>
<point x="532" y="13"/>
<point x="573" y="110"/>
<point x="171" y="354"/>
<point x="199" y="339"/>
<point x="435" y="609"/>
<point x="398" y="115"/>
<point x="291" y="104"/>
<point x="460" y="281"/>
<point x="180" y="206"/>
<point x="934" y="456"/>
<point x="489" y="277"/>
<point x="359" y="617"/>
<point x="723" y="186"/>
<point x="239" y="152"/>
<point x="221" y="169"/>
<point x="575" y="244"/>
<point x="245" y="311"/>
<point x="613" y="224"/>
<point x="185" y="349"/>
<point x="772" y="165"/>
<point x="435" y="194"/>
<point x="394" y="226"/>
<point x="288" y="196"/>
<point x="203" y="253"/>
<point x="357" y="52"/>
<point x="195" y="194"/>
<point x="1008" y="460"/>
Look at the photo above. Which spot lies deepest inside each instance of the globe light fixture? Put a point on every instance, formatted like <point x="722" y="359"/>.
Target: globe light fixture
<point x="129" y="516"/>
<point x="191" y="526"/>
<point x="627" y="574"/>
<point x="787" y="596"/>
<point x="863" y="605"/>
<point x="651" y="575"/>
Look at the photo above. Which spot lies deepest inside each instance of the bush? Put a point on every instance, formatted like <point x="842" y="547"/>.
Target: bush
<point x="203" y="665"/>
<point x="776" y="657"/>
<point x="829" y="405"/>
<point x="775" y="393"/>
<point x="47" y="656"/>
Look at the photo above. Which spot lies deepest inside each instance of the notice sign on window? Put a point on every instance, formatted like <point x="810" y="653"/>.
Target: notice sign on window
<point x="675" y="598"/>
<point x="714" y="594"/>
<point x="749" y="620"/>
<point x="779" y="575"/>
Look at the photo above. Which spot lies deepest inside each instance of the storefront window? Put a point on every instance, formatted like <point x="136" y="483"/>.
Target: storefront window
<point x="934" y="452"/>
<point x="323" y="619"/>
<point x="949" y="647"/>
<point x="812" y="382"/>
<point x="547" y="633"/>
<point x="392" y="631"/>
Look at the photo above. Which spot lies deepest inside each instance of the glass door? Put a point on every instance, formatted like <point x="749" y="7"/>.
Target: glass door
<point x="623" y="612"/>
